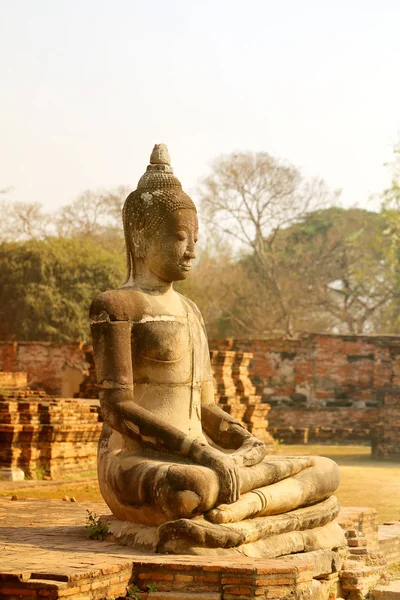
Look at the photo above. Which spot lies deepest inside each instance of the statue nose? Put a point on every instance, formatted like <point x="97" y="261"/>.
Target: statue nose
<point x="190" y="253"/>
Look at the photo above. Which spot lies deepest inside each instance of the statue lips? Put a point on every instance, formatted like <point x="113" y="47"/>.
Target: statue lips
<point x="185" y="266"/>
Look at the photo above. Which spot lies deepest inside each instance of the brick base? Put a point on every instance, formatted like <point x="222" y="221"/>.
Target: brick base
<point x="46" y="554"/>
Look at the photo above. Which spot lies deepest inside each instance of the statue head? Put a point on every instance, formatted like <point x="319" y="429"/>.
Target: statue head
<point x="154" y="215"/>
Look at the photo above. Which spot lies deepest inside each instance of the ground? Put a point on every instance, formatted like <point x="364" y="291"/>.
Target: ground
<point x="364" y="482"/>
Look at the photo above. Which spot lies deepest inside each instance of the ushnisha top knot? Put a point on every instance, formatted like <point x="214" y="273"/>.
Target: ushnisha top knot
<point x="158" y="194"/>
<point x="160" y="155"/>
<point x="159" y="173"/>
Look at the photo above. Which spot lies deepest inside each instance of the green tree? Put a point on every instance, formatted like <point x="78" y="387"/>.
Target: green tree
<point x="46" y="287"/>
<point x="343" y="269"/>
<point x="391" y="235"/>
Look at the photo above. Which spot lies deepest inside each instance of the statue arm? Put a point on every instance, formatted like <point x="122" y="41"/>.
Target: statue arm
<point x="112" y="352"/>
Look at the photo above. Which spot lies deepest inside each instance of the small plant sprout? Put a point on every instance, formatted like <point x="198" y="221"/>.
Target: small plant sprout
<point x="94" y="529"/>
<point x="134" y="593"/>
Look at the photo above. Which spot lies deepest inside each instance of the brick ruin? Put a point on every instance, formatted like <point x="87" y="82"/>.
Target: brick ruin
<point x="320" y="388"/>
<point x="328" y="388"/>
<point x="58" y="369"/>
<point x="236" y="394"/>
<point x="45" y="437"/>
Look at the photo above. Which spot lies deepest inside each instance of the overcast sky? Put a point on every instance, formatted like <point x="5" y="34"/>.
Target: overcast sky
<point x="88" y="86"/>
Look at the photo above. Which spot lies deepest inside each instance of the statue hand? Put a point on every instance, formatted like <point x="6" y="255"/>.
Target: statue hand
<point x="250" y="453"/>
<point x="223" y="465"/>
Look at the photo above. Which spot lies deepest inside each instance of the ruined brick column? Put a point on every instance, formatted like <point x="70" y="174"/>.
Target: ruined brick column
<point x="235" y="393"/>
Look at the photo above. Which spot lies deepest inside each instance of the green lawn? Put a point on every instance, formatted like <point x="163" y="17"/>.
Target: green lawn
<point x="364" y="482"/>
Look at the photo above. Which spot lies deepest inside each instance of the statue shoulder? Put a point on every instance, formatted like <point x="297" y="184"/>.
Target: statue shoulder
<point x="117" y="305"/>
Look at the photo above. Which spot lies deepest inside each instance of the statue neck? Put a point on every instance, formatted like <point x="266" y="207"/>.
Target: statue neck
<point x="145" y="280"/>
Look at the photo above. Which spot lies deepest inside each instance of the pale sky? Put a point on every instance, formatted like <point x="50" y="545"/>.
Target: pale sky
<point x="88" y="86"/>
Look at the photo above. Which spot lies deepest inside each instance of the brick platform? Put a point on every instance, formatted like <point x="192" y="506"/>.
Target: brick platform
<point x="389" y="541"/>
<point x="45" y="554"/>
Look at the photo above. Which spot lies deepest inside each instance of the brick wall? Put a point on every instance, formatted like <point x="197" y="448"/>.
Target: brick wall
<point x="328" y="385"/>
<point x="56" y="368"/>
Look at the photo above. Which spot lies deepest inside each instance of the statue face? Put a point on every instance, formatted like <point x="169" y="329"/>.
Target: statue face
<point x="170" y="250"/>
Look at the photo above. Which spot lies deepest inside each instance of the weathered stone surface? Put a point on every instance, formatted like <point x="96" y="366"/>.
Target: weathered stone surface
<point x="324" y="562"/>
<point x="184" y="535"/>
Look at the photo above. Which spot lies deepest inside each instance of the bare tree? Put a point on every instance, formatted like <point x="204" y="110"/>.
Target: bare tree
<point x="23" y="221"/>
<point x="251" y="197"/>
<point x="92" y="213"/>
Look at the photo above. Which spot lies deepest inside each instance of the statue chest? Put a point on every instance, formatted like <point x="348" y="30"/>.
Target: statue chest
<point x="168" y="350"/>
<point x="161" y="339"/>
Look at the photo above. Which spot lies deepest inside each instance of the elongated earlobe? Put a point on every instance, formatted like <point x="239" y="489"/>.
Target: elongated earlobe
<point x="139" y="243"/>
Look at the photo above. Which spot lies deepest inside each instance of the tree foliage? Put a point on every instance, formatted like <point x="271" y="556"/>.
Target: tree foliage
<point x="47" y="287"/>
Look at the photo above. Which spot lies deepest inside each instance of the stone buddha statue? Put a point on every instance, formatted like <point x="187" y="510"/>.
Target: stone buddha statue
<point x="170" y="461"/>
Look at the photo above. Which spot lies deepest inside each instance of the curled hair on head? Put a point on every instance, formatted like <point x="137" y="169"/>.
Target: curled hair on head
<point x="158" y="194"/>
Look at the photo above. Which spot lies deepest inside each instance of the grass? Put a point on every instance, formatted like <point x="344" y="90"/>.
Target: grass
<point x="364" y="482"/>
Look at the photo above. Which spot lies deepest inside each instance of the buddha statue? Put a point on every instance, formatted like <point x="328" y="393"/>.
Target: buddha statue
<point x="170" y="460"/>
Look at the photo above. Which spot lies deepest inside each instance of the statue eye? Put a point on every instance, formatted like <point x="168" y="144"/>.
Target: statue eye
<point x="181" y="236"/>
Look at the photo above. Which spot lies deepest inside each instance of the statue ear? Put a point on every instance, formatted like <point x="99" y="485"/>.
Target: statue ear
<point x="139" y="243"/>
